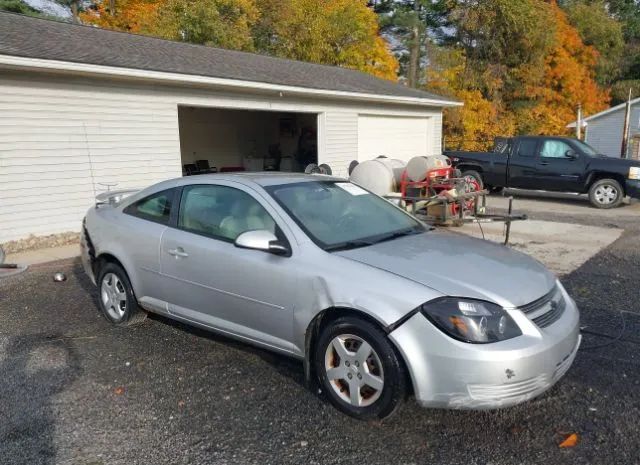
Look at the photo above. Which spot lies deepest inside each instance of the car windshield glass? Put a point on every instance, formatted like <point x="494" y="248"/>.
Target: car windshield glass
<point x="341" y="215"/>
<point x="586" y="148"/>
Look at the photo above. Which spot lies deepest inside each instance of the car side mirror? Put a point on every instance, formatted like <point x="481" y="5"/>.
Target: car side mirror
<point x="263" y="240"/>
<point x="571" y="154"/>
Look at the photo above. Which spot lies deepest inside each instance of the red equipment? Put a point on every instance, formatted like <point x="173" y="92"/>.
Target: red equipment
<point x="438" y="183"/>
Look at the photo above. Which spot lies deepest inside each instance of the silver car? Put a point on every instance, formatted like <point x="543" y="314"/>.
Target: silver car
<point x="376" y="304"/>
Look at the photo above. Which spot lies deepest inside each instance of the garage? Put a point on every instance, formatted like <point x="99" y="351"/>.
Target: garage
<point x="230" y="140"/>
<point x="124" y="111"/>
<point x="393" y="136"/>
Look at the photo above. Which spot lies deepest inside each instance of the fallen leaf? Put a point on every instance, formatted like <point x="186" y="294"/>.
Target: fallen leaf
<point x="569" y="441"/>
<point x="119" y="390"/>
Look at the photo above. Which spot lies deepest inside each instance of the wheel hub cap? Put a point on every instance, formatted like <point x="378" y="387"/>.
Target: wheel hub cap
<point x="606" y="194"/>
<point x="354" y="370"/>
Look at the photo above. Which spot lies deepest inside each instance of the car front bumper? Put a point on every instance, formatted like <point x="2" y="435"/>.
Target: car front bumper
<point x="451" y="374"/>
<point x="85" y="255"/>
<point x="632" y="188"/>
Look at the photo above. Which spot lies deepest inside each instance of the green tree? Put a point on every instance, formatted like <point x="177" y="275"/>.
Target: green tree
<point x="18" y="6"/>
<point x="412" y="26"/>
<point x="602" y="31"/>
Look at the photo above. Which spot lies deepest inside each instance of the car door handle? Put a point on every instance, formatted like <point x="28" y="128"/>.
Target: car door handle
<point x="178" y="252"/>
<point x="544" y="163"/>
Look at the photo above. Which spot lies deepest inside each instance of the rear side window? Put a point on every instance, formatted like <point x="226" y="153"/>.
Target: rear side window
<point x="527" y="148"/>
<point x="156" y="207"/>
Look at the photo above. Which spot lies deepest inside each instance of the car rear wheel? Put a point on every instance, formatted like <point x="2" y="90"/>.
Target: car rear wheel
<point x="116" y="299"/>
<point x="359" y="370"/>
<point x="606" y="193"/>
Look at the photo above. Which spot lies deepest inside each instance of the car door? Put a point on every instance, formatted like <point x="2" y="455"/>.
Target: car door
<point x="556" y="170"/>
<point x="522" y="163"/>
<point x="208" y="280"/>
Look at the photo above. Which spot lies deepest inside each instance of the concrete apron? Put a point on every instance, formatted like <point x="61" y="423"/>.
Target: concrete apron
<point x="562" y="247"/>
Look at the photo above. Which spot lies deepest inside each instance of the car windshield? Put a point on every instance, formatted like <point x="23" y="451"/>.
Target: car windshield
<point x="586" y="148"/>
<point x="341" y="215"/>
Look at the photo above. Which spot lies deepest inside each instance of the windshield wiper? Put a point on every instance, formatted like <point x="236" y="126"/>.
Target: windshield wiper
<point x="348" y="245"/>
<point x="398" y="234"/>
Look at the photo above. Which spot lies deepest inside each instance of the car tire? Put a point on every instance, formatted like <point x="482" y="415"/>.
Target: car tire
<point x="475" y="175"/>
<point x="606" y="193"/>
<point x="495" y="189"/>
<point x="375" y="371"/>
<point x="116" y="299"/>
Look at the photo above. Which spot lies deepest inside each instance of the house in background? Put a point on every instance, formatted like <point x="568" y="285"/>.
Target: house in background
<point x="83" y="108"/>
<point x="603" y="131"/>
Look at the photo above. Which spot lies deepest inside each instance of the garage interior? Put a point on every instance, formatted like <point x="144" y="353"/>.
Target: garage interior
<point x="228" y="140"/>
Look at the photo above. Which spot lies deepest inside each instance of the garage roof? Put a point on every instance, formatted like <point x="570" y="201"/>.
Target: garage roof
<point x="35" y="38"/>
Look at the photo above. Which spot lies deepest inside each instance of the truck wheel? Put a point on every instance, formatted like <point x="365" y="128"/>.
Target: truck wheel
<point x="606" y="193"/>
<point x="475" y="175"/>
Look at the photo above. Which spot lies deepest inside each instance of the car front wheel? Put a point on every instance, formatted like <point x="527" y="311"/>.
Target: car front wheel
<point x="606" y="193"/>
<point x="116" y="299"/>
<point x="359" y="369"/>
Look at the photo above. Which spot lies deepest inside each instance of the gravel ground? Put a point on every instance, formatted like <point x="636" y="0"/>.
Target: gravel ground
<point x="74" y="390"/>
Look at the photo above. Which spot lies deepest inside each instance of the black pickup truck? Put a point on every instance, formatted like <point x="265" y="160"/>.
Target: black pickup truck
<point x="560" y="164"/>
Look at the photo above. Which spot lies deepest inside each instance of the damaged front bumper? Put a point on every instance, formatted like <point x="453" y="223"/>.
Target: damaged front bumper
<point x="452" y="374"/>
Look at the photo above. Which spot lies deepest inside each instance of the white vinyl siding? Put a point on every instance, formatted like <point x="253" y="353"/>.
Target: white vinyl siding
<point x="63" y="137"/>
<point x="341" y="141"/>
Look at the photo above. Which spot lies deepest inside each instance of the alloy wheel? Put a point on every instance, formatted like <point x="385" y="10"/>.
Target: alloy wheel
<point x="354" y="370"/>
<point x="113" y="296"/>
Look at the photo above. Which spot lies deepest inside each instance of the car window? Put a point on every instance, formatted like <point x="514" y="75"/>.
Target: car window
<point x="221" y="212"/>
<point x="554" y="149"/>
<point x="156" y="207"/>
<point x="527" y="147"/>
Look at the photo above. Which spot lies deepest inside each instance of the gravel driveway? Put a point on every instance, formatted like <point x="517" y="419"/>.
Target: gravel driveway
<point x="74" y="390"/>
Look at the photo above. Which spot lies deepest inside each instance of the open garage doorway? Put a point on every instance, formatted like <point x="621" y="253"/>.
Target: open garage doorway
<point x="228" y="140"/>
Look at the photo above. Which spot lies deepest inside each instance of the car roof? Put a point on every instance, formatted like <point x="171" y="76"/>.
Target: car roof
<point x="273" y="178"/>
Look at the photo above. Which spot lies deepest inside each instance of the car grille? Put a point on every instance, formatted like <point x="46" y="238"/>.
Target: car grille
<point x="508" y="390"/>
<point x="546" y="310"/>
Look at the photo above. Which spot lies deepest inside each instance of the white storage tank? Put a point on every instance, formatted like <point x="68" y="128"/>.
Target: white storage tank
<point x="418" y="166"/>
<point x="381" y="176"/>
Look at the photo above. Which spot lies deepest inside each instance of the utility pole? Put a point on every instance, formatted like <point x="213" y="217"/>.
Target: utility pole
<point x="625" y="130"/>
<point x="579" y="123"/>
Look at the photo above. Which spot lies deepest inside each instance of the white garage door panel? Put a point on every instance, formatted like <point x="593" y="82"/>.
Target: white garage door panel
<point x="394" y="137"/>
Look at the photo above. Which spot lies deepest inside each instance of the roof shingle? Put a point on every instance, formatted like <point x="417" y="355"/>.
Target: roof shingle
<point x="45" y="39"/>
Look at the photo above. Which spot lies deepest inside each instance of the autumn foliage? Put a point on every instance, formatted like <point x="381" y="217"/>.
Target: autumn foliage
<point x="507" y="85"/>
<point x="336" y="32"/>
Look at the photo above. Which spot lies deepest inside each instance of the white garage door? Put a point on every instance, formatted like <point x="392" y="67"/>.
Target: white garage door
<point x="394" y="137"/>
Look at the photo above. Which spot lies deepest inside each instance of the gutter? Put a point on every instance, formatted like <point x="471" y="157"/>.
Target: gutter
<point x="42" y="65"/>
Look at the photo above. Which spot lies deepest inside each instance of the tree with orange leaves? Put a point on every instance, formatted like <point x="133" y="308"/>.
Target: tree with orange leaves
<point x="335" y="32"/>
<point x="519" y="67"/>
<point x="569" y="80"/>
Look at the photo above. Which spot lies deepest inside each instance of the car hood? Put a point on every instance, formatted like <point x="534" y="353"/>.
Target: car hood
<point x="461" y="266"/>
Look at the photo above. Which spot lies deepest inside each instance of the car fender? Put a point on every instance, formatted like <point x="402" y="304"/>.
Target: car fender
<point x="98" y="224"/>
<point x="346" y="284"/>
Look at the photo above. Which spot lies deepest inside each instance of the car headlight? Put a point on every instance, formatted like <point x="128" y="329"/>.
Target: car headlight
<point x="470" y="320"/>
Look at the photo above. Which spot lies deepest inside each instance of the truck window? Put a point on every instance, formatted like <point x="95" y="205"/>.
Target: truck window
<point x="554" y="149"/>
<point x="527" y="148"/>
